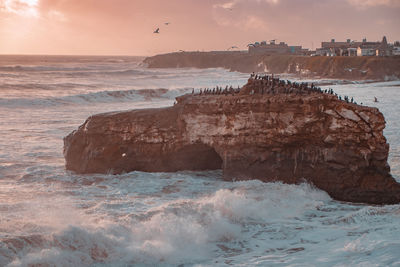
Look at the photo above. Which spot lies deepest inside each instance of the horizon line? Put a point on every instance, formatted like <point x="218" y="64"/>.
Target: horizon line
<point x="77" y="55"/>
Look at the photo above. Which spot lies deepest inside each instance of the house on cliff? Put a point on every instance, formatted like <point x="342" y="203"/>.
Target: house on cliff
<point x="333" y="48"/>
<point x="354" y="48"/>
<point x="273" y="48"/>
<point x="396" y="49"/>
<point x="375" y="48"/>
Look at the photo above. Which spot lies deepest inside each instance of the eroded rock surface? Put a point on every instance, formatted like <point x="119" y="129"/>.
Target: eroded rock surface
<point x="337" y="146"/>
<point x="351" y="68"/>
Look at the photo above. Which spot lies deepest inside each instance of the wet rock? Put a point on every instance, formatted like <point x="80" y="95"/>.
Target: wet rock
<point x="337" y="146"/>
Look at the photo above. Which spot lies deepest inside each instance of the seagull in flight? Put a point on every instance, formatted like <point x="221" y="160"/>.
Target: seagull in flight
<point x="167" y="23"/>
<point x="157" y="30"/>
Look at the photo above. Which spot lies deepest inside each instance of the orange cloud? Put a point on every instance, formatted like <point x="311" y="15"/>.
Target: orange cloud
<point x="27" y="8"/>
<point x="366" y="3"/>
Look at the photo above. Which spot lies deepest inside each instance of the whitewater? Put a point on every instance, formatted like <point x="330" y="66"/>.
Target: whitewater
<point x="53" y="217"/>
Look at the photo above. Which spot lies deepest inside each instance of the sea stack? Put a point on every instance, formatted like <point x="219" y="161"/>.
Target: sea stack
<point x="270" y="130"/>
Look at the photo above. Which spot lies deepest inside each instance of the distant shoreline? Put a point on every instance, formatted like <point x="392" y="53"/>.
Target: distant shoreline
<point x="347" y="68"/>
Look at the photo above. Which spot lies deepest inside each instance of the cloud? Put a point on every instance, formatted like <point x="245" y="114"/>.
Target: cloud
<point x="228" y="5"/>
<point x="245" y="13"/>
<point x="269" y="1"/>
<point x="26" y="8"/>
<point x="371" y="3"/>
<point x="232" y="3"/>
<point x="247" y="22"/>
<point x="56" y="15"/>
<point x="254" y="22"/>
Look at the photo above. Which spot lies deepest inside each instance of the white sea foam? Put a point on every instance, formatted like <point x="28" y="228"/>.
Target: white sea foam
<point x="194" y="222"/>
<point x="173" y="231"/>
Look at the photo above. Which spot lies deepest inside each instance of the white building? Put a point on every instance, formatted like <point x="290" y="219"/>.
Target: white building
<point x="366" y="51"/>
<point x="396" y="51"/>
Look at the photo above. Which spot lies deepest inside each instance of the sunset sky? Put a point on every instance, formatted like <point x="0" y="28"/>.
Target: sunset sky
<point x="125" y="27"/>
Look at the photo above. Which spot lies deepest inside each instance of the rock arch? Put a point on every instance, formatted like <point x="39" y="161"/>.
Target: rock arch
<point x="197" y="156"/>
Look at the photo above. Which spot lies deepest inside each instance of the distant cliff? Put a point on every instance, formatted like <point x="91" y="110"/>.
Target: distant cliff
<point x="352" y="68"/>
<point x="267" y="131"/>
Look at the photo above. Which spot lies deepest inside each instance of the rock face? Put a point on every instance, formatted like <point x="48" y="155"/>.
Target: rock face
<point x="351" y="68"/>
<point x="337" y="146"/>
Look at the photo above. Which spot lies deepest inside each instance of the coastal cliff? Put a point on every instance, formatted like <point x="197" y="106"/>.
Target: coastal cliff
<point x="351" y="68"/>
<point x="276" y="134"/>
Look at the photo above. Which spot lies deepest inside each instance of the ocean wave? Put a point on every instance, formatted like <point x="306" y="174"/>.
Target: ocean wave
<point x="191" y="218"/>
<point x="41" y="68"/>
<point x="181" y="231"/>
<point x="10" y="75"/>
<point x="80" y="70"/>
<point x="125" y="95"/>
<point x="148" y="74"/>
<point x="134" y="70"/>
<point x="96" y="97"/>
<point x="45" y="86"/>
<point x="110" y="66"/>
<point x="119" y="72"/>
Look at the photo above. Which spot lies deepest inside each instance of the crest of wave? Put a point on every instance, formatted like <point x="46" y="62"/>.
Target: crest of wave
<point x="187" y="230"/>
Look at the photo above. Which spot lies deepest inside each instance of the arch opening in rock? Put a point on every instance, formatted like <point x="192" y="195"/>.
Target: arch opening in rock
<point x="196" y="157"/>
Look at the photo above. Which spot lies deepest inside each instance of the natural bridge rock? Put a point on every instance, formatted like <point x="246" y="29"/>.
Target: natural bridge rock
<point x="337" y="146"/>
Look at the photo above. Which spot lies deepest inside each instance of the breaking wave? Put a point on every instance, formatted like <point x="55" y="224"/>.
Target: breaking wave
<point x="191" y="218"/>
<point x="19" y="68"/>
<point x="214" y="225"/>
<point x="97" y="97"/>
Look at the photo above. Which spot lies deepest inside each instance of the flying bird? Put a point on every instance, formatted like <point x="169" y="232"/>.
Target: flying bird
<point x="167" y="23"/>
<point x="232" y="47"/>
<point x="157" y="30"/>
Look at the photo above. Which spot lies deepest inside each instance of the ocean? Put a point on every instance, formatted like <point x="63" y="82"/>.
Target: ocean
<point x="53" y="217"/>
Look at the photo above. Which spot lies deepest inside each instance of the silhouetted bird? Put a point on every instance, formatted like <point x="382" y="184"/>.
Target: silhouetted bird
<point x="157" y="30"/>
<point x="167" y="23"/>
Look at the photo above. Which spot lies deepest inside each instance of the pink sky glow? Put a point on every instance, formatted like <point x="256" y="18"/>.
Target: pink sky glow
<point x="125" y="27"/>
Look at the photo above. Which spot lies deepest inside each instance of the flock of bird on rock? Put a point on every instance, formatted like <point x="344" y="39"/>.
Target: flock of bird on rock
<point x="228" y="90"/>
<point x="265" y="84"/>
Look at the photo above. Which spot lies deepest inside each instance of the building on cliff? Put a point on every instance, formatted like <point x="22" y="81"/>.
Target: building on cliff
<point x="354" y="48"/>
<point x="396" y="49"/>
<point x="333" y="48"/>
<point x="273" y="48"/>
